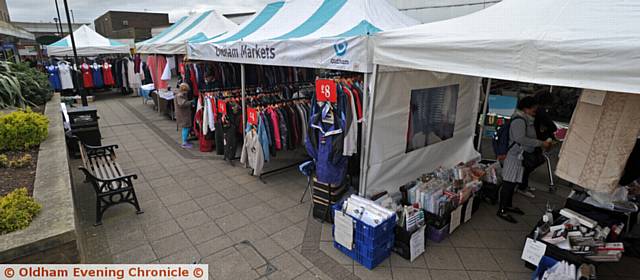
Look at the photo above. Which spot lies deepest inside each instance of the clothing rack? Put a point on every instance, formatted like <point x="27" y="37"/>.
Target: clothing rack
<point x="278" y="170"/>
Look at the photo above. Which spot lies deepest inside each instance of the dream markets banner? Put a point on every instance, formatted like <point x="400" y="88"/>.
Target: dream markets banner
<point x="349" y="54"/>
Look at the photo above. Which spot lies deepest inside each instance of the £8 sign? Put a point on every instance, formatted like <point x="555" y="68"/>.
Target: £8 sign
<point x="326" y="91"/>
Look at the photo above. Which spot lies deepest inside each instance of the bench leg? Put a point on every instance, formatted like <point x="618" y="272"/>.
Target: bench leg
<point x="135" y="203"/>
<point x="99" y="212"/>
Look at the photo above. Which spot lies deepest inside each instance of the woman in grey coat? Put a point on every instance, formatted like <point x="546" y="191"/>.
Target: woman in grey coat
<point x="182" y="106"/>
<point x="522" y="137"/>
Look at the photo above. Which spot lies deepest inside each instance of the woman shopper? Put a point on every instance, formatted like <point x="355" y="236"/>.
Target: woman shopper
<point x="522" y="140"/>
<point x="182" y="106"/>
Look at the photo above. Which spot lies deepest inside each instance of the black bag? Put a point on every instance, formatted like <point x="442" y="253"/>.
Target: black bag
<point x="532" y="160"/>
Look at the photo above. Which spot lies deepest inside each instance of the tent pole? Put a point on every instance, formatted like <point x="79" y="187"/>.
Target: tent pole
<point x="243" y="92"/>
<point x="484" y="115"/>
<point x="156" y="76"/>
<point x="367" y="148"/>
<point x="363" y="143"/>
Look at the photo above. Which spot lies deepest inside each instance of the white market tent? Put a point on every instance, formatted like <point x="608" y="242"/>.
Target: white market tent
<point x="197" y="27"/>
<point x="88" y="43"/>
<point x="575" y="43"/>
<point x="326" y="34"/>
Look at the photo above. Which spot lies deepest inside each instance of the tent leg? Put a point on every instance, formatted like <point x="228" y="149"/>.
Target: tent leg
<point x="483" y="116"/>
<point x="244" y="93"/>
<point x="366" y="143"/>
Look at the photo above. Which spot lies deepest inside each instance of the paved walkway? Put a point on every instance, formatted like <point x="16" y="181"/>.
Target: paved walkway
<point x="199" y="208"/>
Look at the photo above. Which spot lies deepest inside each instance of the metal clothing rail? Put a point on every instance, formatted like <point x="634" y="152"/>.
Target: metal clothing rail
<point x="280" y="169"/>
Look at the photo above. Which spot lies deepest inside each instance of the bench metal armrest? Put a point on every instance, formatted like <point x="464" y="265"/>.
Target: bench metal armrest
<point x="102" y="186"/>
<point x="93" y="151"/>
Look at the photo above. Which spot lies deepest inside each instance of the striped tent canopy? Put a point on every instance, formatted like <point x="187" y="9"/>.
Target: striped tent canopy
<point x="197" y="27"/>
<point x="88" y="43"/>
<point x="329" y="34"/>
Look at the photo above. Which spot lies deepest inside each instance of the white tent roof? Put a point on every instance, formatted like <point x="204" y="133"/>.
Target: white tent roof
<point x="577" y="43"/>
<point x="88" y="43"/>
<point x="197" y="27"/>
<point x="327" y="34"/>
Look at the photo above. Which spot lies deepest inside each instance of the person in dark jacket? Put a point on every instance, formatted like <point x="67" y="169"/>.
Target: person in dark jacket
<point x="182" y="106"/>
<point x="545" y="127"/>
<point x="522" y="138"/>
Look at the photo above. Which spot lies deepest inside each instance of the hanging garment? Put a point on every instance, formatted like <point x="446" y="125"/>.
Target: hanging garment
<point x="276" y="128"/>
<point x="230" y="127"/>
<point x="125" y="72"/>
<point x="132" y="76"/>
<point x="66" y="80"/>
<point x="96" y="72"/>
<point x="331" y="165"/>
<point x="137" y="64"/>
<point x="252" y="153"/>
<point x="107" y="74"/>
<point x="166" y="71"/>
<point x="351" y="133"/>
<point x="156" y="64"/>
<point x="86" y="75"/>
<point x="54" y="77"/>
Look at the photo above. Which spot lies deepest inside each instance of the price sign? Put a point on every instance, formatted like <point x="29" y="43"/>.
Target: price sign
<point x="252" y="116"/>
<point x="222" y="107"/>
<point x="326" y="91"/>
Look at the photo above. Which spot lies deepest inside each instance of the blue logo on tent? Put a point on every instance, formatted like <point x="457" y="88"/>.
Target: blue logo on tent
<point x="341" y="47"/>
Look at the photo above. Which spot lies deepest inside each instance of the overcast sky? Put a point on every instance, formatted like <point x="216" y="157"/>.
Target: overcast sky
<point x="88" y="10"/>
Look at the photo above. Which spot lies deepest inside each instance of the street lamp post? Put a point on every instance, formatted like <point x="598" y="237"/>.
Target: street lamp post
<point x="59" y="21"/>
<point x="58" y="31"/>
<point x="83" y="93"/>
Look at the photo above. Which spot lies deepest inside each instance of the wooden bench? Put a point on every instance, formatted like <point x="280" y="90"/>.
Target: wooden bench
<point x="111" y="184"/>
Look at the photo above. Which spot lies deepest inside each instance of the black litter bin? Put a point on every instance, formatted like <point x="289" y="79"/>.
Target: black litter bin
<point x="83" y="123"/>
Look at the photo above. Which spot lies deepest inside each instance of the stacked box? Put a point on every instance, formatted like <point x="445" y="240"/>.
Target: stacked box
<point x="371" y="244"/>
<point x="324" y="197"/>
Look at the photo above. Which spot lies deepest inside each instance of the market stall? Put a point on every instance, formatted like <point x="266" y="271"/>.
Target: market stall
<point x="104" y="64"/>
<point x="88" y="43"/>
<point x="167" y="49"/>
<point x="584" y="44"/>
<point x="329" y="34"/>
<point x="196" y="27"/>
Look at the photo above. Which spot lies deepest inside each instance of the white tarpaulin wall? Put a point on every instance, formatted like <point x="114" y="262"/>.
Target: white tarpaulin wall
<point x="88" y="43"/>
<point x="390" y="165"/>
<point x="198" y="27"/>
<point x="591" y="44"/>
<point x="326" y="34"/>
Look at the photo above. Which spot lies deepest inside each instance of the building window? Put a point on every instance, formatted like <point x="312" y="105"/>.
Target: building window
<point x="125" y="22"/>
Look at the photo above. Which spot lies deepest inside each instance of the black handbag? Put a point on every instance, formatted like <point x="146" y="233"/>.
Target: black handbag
<point x="531" y="160"/>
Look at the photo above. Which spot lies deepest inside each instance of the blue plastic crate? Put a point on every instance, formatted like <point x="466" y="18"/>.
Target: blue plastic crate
<point x="372" y="263"/>
<point x="376" y="251"/>
<point x="375" y="234"/>
<point x="349" y="253"/>
<point x="371" y="234"/>
<point x="369" y="263"/>
<point x="371" y="244"/>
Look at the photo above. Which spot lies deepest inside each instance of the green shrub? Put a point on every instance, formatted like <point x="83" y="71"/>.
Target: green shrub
<point x="17" y="210"/>
<point x="21" y="86"/>
<point x="35" y="84"/>
<point x="22" y="130"/>
<point x="19" y="162"/>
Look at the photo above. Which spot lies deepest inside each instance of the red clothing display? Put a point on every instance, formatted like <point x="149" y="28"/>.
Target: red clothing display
<point x="107" y="75"/>
<point x="156" y="64"/>
<point x="87" y="78"/>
